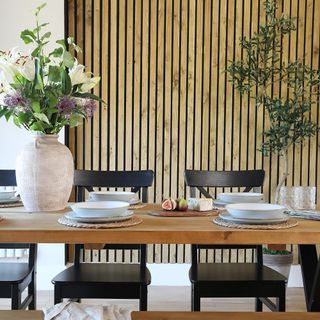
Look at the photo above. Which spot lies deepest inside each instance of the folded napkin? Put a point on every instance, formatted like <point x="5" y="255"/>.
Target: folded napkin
<point x="78" y="311"/>
<point x="304" y="214"/>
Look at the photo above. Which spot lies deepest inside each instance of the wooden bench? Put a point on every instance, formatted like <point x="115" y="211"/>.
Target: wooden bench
<point x="160" y="315"/>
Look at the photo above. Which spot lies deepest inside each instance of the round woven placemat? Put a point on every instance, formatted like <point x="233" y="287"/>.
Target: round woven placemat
<point x="283" y="225"/>
<point x="137" y="206"/>
<point x="11" y="205"/>
<point x="108" y="225"/>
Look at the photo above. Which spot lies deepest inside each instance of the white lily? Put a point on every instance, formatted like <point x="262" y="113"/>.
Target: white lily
<point x="8" y="70"/>
<point x="89" y="84"/>
<point x="28" y="69"/>
<point x="77" y="74"/>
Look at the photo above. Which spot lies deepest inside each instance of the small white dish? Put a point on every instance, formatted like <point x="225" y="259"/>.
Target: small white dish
<point x="101" y="209"/>
<point x="113" y="196"/>
<point x="73" y="216"/>
<point x="255" y="210"/>
<point x="7" y="194"/>
<point x="228" y="217"/>
<point x="240" y="197"/>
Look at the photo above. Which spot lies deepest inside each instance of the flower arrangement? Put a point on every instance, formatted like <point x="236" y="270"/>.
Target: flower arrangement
<point x="44" y="92"/>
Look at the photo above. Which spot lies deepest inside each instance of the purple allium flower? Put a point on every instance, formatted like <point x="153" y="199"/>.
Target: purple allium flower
<point x="66" y="105"/>
<point x="16" y="99"/>
<point x="89" y="107"/>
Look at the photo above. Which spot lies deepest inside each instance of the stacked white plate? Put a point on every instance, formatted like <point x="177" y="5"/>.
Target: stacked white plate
<point x="100" y="211"/>
<point x="238" y="197"/>
<point x="130" y="197"/>
<point x="8" y="196"/>
<point x="254" y="213"/>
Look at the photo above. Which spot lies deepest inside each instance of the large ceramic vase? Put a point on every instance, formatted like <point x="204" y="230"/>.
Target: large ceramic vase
<point x="44" y="171"/>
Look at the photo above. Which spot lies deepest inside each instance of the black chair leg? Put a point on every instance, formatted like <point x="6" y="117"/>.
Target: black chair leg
<point x="195" y="300"/>
<point x="32" y="292"/>
<point x="258" y="305"/>
<point x="57" y="294"/>
<point x="15" y="298"/>
<point x="143" y="301"/>
<point x="281" y="301"/>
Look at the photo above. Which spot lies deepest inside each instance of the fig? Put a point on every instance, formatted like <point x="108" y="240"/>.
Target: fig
<point x="182" y="204"/>
<point x="169" y="204"/>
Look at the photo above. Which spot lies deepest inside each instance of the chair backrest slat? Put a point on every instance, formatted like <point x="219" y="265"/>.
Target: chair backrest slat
<point x="200" y="179"/>
<point x="136" y="180"/>
<point x="113" y="179"/>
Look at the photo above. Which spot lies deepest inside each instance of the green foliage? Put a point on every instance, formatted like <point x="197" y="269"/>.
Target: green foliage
<point x="274" y="252"/>
<point x="41" y="80"/>
<point x="261" y="68"/>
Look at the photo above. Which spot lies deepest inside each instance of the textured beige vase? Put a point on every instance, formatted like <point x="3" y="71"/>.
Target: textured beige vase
<point x="44" y="171"/>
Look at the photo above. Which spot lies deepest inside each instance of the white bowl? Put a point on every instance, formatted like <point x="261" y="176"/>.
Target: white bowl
<point x="100" y="208"/>
<point x="255" y="210"/>
<point x="240" y="197"/>
<point x="7" y="194"/>
<point x="112" y="196"/>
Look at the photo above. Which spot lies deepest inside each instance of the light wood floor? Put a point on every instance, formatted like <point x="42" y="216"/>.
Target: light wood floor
<point x="178" y="299"/>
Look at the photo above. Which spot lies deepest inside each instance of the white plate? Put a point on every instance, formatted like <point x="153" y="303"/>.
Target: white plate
<point x="12" y="200"/>
<point x="255" y="210"/>
<point x="228" y="217"/>
<point x="220" y="203"/>
<point x="100" y="209"/>
<point x="113" y="196"/>
<point x="240" y="197"/>
<point x="73" y="216"/>
<point x="7" y="194"/>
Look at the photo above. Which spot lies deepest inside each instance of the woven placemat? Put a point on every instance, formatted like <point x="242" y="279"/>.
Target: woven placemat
<point x="163" y="213"/>
<point x="283" y="225"/>
<point x="137" y="206"/>
<point x="11" y="205"/>
<point x="108" y="225"/>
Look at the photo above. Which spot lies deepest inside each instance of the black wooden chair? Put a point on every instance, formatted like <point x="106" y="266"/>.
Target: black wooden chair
<point x="15" y="277"/>
<point x="107" y="280"/>
<point x="221" y="280"/>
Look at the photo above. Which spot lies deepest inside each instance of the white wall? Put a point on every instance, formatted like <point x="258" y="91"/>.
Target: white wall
<point x="15" y="16"/>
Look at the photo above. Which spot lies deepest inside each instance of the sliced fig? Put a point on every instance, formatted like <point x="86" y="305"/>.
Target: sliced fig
<point x="169" y="204"/>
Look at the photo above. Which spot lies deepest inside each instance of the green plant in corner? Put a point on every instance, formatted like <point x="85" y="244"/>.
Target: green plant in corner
<point x="289" y="116"/>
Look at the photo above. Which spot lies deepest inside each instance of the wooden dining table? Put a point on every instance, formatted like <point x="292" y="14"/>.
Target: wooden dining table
<point x="18" y="226"/>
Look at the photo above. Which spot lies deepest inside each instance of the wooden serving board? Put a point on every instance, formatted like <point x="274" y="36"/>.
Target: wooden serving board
<point x="189" y="213"/>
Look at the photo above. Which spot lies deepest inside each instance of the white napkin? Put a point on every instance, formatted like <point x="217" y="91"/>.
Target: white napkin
<point x="78" y="311"/>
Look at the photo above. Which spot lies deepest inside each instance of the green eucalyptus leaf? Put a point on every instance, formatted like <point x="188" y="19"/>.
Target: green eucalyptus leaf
<point x="62" y="43"/>
<point x="36" y="106"/>
<point x="16" y="121"/>
<point x="42" y="117"/>
<point x="68" y="59"/>
<point x="47" y="35"/>
<point x="54" y="74"/>
<point x="57" y="52"/>
<point x="3" y="111"/>
<point x="28" y="36"/>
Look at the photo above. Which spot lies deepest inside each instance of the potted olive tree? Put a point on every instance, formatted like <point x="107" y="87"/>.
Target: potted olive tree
<point x="261" y="68"/>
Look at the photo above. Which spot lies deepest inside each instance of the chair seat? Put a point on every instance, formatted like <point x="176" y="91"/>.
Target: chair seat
<point x="14" y="272"/>
<point x="103" y="272"/>
<point x="228" y="272"/>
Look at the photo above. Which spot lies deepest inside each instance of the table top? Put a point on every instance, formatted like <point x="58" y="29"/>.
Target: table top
<point x="156" y="315"/>
<point x="19" y="226"/>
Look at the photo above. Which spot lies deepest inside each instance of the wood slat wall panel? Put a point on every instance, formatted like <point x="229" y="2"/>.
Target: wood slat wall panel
<point x="170" y="106"/>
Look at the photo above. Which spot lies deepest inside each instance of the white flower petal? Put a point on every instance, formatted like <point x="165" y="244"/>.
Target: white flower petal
<point x="90" y="84"/>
